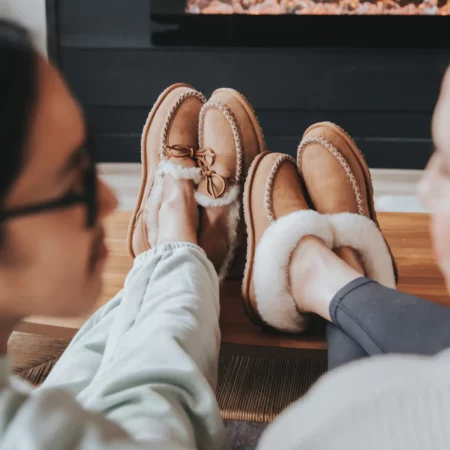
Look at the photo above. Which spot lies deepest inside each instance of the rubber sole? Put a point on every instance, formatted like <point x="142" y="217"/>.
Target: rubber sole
<point x="249" y="306"/>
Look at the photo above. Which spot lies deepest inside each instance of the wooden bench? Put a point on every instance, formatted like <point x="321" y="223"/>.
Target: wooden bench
<point x="408" y="235"/>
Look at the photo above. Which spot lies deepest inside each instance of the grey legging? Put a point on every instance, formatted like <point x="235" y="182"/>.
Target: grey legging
<point x="370" y="319"/>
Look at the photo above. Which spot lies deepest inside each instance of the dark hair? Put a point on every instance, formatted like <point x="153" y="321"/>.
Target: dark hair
<point x="18" y="92"/>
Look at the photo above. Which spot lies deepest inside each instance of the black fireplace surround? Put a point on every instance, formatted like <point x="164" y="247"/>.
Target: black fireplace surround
<point x="376" y="76"/>
<point x="173" y="26"/>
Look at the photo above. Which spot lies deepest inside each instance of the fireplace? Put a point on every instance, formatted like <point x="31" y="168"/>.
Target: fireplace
<point x="311" y="7"/>
<point x="117" y="61"/>
<point x="302" y="23"/>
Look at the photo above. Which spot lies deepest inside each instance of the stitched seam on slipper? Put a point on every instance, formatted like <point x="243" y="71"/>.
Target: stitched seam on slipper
<point x="342" y="161"/>
<point x="171" y="114"/>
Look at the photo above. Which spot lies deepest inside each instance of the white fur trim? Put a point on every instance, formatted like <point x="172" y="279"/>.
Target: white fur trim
<point x="230" y="198"/>
<point x="234" y="214"/>
<point x="179" y="172"/>
<point x="270" y="273"/>
<point x="153" y="207"/>
<point x="208" y="202"/>
<point x="362" y="234"/>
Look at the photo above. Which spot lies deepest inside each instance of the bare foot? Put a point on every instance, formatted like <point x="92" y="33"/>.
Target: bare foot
<point x="178" y="216"/>
<point x="317" y="275"/>
<point x="351" y="257"/>
<point x="213" y="234"/>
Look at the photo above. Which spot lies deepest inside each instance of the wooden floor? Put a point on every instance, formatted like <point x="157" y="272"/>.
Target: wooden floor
<point x="407" y="234"/>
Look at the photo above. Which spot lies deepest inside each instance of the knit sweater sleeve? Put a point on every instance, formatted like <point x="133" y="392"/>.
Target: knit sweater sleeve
<point x="52" y="419"/>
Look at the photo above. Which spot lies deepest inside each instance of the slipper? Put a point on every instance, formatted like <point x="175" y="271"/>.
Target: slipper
<point x="338" y="182"/>
<point x="277" y="217"/>
<point x="230" y="137"/>
<point x="169" y="145"/>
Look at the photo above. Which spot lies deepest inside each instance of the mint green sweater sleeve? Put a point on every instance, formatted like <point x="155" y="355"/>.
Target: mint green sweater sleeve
<point x="51" y="420"/>
<point x="141" y="372"/>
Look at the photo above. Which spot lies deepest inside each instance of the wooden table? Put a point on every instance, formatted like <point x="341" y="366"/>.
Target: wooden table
<point x="407" y="233"/>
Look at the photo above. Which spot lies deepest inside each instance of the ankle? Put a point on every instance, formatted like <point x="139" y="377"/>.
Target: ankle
<point x="213" y="234"/>
<point x="317" y="275"/>
<point x="178" y="215"/>
<point x="175" y="225"/>
<point x="351" y="257"/>
<point x="306" y="263"/>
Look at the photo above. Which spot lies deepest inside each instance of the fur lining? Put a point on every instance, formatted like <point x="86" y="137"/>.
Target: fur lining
<point x="230" y="198"/>
<point x="207" y="202"/>
<point x="179" y="172"/>
<point x="234" y="215"/>
<point x="362" y="234"/>
<point x="153" y="207"/>
<point x="270" y="273"/>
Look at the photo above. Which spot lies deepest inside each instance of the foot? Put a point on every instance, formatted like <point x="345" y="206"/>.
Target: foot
<point x="178" y="216"/>
<point x="229" y="139"/>
<point x="213" y="234"/>
<point x="351" y="257"/>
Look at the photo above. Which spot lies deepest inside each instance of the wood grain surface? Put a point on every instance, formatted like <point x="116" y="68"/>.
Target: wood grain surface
<point x="408" y="234"/>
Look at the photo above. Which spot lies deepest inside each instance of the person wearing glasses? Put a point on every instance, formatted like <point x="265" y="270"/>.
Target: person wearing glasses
<point x="141" y="372"/>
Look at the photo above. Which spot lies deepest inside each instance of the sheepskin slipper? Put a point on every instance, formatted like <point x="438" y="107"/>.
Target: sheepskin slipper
<point x="277" y="217"/>
<point x="169" y="146"/>
<point x="229" y="138"/>
<point x="339" y="184"/>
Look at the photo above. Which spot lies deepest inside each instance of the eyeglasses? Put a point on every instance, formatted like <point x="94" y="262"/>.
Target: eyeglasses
<point x="87" y="197"/>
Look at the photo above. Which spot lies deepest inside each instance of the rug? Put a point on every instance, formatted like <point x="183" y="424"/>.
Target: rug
<point x="259" y="389"/>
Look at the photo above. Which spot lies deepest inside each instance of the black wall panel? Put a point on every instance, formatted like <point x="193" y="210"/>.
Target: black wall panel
<point x="383" y="97"/>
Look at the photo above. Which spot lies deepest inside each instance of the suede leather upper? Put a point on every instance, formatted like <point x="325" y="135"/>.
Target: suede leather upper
<point x="327" y="182"/>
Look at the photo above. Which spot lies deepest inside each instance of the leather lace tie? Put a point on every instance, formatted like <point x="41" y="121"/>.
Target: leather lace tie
<point x="205" y="158"/>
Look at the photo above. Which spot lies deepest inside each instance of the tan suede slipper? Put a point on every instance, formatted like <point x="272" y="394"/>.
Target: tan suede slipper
<point x="229" y="138"/>
<point x="169" y="145"/>
<point x="339" y="184"/>
<point x="277" y="217"/>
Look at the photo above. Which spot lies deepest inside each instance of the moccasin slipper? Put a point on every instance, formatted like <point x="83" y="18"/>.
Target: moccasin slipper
<point x="230" y="137"/>
<point x="339" y="184"/>
<point x="169" y="146"/>
<point x="277" y="217"/>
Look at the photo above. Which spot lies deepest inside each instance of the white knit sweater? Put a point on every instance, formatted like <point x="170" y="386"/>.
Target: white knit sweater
<point x="387" y="402"/>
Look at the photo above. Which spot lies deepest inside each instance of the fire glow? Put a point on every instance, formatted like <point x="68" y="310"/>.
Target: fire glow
<point x="310" y="7"/>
